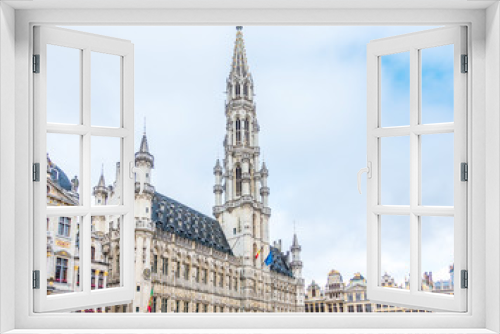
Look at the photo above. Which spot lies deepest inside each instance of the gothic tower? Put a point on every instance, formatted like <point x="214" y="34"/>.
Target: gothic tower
<point x="144" y="227"/>
<point x="243" y="212"/>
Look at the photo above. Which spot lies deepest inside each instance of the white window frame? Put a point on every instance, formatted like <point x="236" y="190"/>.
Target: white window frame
<point x="484" y="146"/>
<point x="413" y="44"/>
<point x="86" y="43"/>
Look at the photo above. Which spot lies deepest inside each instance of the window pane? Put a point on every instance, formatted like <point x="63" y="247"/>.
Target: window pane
<point x="106" y="261"/>
<point x="437" y="84"/>
<point x="437" y="269"/>
<point x="106" y="89"/>
<point x="437" y="169"/>
<point x="395" y="171"/>
<point x="63" y="85"/>
<point x="63" y="169"/>
<point x="395" y="89"/>
<point x="63" y="255"/>
<point x="105" y="171"/>
<point x="395" y="251"/>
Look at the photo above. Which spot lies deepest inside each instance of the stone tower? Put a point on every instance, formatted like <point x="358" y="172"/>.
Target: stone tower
<point x="243" y="211"/>
<point x="296" y="265"/>
<point x="144" y="227"/>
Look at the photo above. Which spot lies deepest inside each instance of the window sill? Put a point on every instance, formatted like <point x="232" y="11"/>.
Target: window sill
<point x="253" y="331"/>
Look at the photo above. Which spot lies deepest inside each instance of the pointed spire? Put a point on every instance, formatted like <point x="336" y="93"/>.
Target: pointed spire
<point x="218" y="167"/>
<point x="239" y="65"/>
<point x="143" y="154"/>
<point x="264" y="167"/>
<point x="102" y="183"/>
<point x="144" y="142"/>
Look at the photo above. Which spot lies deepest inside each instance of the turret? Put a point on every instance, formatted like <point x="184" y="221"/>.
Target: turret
<point x="296" y="262"/>
<point x="264" y="189"/>
<point x="218" y="184"/>
<point x="101" y="191"/>
<point x="145" y="161"/>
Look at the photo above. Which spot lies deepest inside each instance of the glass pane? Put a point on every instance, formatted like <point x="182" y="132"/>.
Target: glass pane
<point x="63" y="85"/>
<point x="105" y="170"/>
<point x="63" y="255"/>
<point x="395" y="170"/>
<point x="395" y="251"/>
<point x="395" y="89"/>
<point x="437" y="267"/>
<point x="105" y="91"/>
<point x="437" y="84"/>
<point x="63" y="169"/>
<point x="437" y="169"/>
<point x="105" y="252"/>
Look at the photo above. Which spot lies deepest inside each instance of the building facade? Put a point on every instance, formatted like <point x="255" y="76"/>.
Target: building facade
<point x="338" y="297"/>
<point x="189" y="262"/>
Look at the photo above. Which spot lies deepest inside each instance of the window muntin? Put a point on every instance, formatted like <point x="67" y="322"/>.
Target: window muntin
<point x="63" y="149"/>
<point x="413" y="293"/>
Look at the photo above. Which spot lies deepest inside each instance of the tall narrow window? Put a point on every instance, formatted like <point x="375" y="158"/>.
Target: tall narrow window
<point x="117" y="263"/>
<point x="238" y="131"/>
<point x="164" y="304"/>
<point x="247" y="131"/>
<point x="101" y="280"/>
<point x="153" y="309"/>
<point x="165" y="266"/>
<point x="61" y="270"/>
<point x="238" y="181"/>
<point x="64" y="226"/>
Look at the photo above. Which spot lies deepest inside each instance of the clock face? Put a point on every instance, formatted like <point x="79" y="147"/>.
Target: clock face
<point x="146" y="273"/>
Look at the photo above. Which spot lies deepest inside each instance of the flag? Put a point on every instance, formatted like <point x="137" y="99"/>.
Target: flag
<point x="150" y="305"/>
<point x="269" y="259"/>
<point x="257" y="255"/>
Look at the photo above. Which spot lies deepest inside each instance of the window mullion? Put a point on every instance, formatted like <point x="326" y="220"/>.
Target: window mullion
<point x="414" y="170"/>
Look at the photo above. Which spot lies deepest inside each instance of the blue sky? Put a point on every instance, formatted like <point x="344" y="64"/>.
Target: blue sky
<point x="310" y="85"/>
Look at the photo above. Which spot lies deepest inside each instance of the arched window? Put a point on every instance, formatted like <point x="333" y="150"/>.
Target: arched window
<point x="238" y="131"/>
<point x="238" y="181"/>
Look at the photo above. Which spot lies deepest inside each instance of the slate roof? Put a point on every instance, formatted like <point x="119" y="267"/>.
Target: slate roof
<point x="280" y="263"/>
<point x="188" y="223"/>
<point x="60" y="178"/>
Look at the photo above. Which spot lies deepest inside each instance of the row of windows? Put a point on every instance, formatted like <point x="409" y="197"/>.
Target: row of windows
<point x="200" y="275"/>
<point x="334" y="308"/>
<point x="184" y="306"/>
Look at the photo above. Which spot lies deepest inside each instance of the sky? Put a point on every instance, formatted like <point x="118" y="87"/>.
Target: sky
<point x="310" y="85"/>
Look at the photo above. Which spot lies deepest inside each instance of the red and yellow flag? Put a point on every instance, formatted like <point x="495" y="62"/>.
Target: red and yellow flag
<point x="257" y="255"/>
